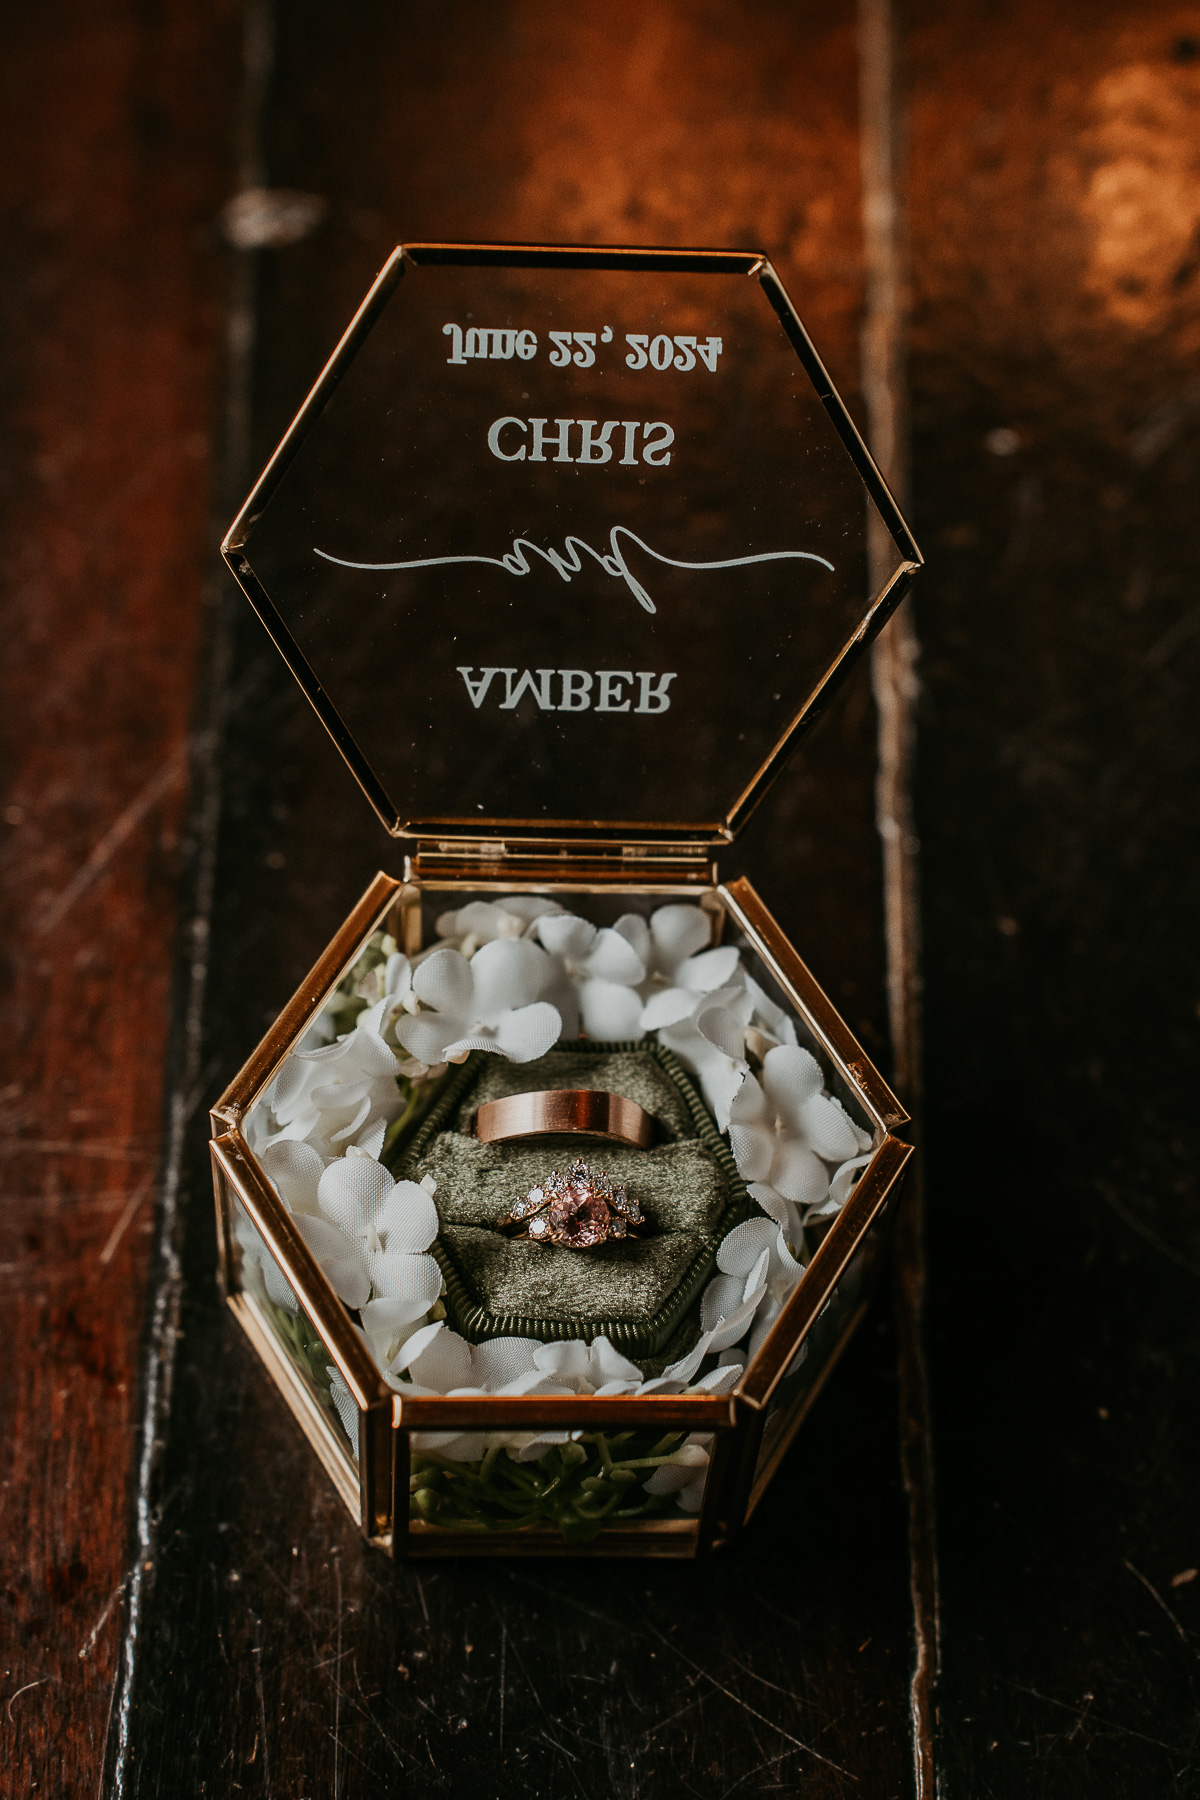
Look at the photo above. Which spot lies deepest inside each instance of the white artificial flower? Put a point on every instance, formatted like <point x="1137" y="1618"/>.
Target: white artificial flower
<point x="339" y="1093"/>
<point x="370" y="1236"/>
<point x="438" y="1361"/>
<point x="681" y="970"/>
<point x="485" y="921"/>
<point x="710" y="1044"/>
<point x="685" y="1473"/>
<point x="604" y="968"/>
<point x="493" y="1002"/>
<point x="388" y="992"/>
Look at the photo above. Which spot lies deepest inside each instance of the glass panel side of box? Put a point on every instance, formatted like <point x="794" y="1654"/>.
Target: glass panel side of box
<point x="567" y="545"/>
<point x="258" y="1276"/>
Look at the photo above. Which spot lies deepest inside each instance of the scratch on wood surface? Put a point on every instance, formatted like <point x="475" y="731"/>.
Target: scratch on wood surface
<point x="89" y="1643"/>
<point x="503" y="1677"/>
<point x="126" y="1220"/>
<point x="1155" y="1595"/>
<point x="119" y="832"/>
<point x="40" y="1682"/>
<point x="114" y="1150"/>
<point x="264" y="1734"/>
<point x="752" y="1711"/>
<point x="1096" y="1718"/>
<point x="337" y="1682"/>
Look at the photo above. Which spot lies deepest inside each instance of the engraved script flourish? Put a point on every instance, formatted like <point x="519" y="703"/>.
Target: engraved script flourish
<point x="515" y="561"/>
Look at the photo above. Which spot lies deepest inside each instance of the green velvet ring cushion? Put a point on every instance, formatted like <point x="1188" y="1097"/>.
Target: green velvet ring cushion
<point x="641" y="1294"/>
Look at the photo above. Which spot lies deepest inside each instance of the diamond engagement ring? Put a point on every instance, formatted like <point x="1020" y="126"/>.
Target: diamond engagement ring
<point x="576" y="1211"/>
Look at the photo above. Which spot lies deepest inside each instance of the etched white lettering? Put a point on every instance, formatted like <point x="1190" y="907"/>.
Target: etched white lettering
<point x="526" y="345"/>
<point x="540" y="689"/>
<point x="662" y="351"/>
<point x="596" y="450"/>
<point x="494" y="440"/>
<point x="542" y="437"/>
<point x="576" y="690"/>
<point x="585" y="356"/>
<point x="637" y="354"/>
<point x="478" y="689"/>
<point x="654" y="450"/>
<point x="629" y="427"/>
<point x="685" y="356"/>
<point x="612" y="682"/>
<point x="710" y="349"/>
<point x="454" y="333"/>
<point x="652" y="692"/>
<point x="560" y="356"/>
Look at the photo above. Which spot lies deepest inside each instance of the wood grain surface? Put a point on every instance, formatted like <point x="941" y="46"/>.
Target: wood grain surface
<point x="116" y="125"/>
<point x="1055" y="207"/>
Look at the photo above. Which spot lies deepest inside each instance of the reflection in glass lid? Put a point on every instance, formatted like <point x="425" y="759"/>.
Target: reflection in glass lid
<point x="569" y="540"/>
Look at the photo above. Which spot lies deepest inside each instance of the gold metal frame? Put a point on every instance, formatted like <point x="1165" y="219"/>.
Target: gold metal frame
<point x="377" y="1491"/>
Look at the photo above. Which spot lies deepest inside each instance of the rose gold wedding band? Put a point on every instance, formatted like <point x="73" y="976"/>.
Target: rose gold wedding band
<point x="582" y="1112"/>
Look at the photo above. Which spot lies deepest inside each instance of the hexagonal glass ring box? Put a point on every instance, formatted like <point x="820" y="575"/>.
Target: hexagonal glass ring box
<point x="553" y="1195"/>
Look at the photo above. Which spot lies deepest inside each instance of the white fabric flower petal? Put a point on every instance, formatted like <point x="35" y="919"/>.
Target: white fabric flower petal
<point x="764" y="1318"/>
<point x="529" y="1032"/>
<point x="370" y="1140"/>
<point x="686" y="1367"/>
<point x="797" y="1172"/>
<point x="416" y="1346"/>
<point x="678" y="932"/>
<point x="352" y="1189"/>
<point x="742" y="1248"/>
<point x="279" y="1288"/>
<point x="386" y="1324"/>
<point x="775" y="1020"/>
<point x="829" y="1129"/>
<point x="845" y="1179"/>
<point x="566" y="1361"/>
<point x="443" y="1363"/>
<point x="426" y="1035"/>
<point x="342" y="1262"/>
<point x="773" y="1204"/>
<point x="508" y="973"/>
<point x="295" y="1169"/>
<point x="444" y="981"/>
<point x="344" y="1404"/>
<point x="753" y="1149"/>
<point x="710" y="970"/>
<point x="607" y="1363"/>
<point x="608" y="1011"/>
<point x="417" y="1279"/>
<point x="370" y="1055"/>
<point x="407" y="1219"/>
<point x="634" y="929"/>
<point x="680" y="1471"/>
<point x="361" y="1115"/>
<point x="790" y="1077"/>
<point x="722" y="1298"/>
<point x="719" y="1076"/>
<point x="722" y="1028"/>
<point x="565" y="935"/>
<point x="667" y="1007"/>
<point x="501" y="1360"/>
<point x="613" y="958"/>
<point x="721" y="1380"/>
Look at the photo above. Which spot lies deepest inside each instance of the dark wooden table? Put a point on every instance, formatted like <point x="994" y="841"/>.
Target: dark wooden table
<point x="187" y="1610"/>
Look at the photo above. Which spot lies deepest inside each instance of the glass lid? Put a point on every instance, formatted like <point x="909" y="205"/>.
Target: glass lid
<point x="569" y="542"/>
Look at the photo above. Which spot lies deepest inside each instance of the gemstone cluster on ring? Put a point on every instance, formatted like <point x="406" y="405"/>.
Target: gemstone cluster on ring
<point x="576" y="1210"/>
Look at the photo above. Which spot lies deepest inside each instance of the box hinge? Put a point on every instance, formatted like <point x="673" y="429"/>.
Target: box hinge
<point x="491" y="860"/>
